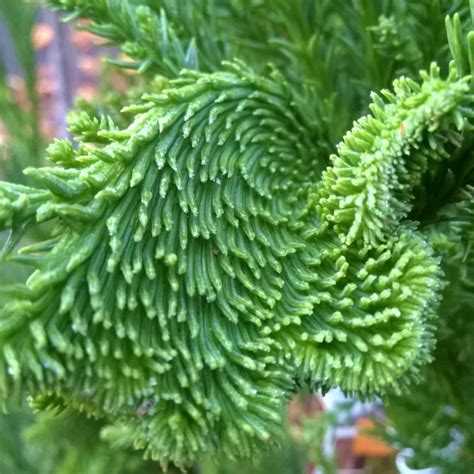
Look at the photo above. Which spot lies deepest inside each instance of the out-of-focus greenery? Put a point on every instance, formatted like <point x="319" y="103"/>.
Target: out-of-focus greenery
<point x="24" y="145"/>
<point x="68" y="442"/>
<point x="289" y="458"/>
<point x="315" y="432"/>
<point x="62" y="443"/>
<point x="436" y="419"/>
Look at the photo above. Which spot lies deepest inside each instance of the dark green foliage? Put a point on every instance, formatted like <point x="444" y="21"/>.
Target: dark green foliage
<point x="437" y="418"/>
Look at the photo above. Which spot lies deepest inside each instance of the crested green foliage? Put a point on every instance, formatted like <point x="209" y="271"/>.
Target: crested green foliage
<point x="205" y="257"/>
<point x="334" y="52"/>
<point x="369" y="188"/>
<point x="185" y="245"/>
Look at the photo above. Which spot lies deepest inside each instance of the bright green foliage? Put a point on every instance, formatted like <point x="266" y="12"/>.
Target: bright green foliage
<point x="184" y="245"/>
<point x="207" y="258"/>
<point x="369" y="188"/>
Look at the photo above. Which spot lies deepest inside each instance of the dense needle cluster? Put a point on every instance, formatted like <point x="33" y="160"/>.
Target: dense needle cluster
<point x="206" y="259"/>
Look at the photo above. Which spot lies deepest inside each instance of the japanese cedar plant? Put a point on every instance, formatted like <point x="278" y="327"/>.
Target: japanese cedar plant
<point x="220" y="249"/>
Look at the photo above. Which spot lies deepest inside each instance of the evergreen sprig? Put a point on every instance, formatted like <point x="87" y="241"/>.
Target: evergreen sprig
<point x="207" y="258"/>
<point x="369" y="188"/>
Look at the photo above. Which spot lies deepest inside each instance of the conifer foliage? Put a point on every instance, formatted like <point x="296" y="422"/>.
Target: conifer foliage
<point x="212" y="255"/>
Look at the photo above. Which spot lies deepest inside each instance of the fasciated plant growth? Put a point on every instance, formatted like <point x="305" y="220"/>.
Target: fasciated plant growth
<point x="232" y="243"/>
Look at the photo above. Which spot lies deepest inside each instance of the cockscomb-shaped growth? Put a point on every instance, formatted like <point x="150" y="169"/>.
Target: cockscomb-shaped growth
<point x="382" y="161"/>
<point x="186" y="274"/>
<point x="202" y="261"/>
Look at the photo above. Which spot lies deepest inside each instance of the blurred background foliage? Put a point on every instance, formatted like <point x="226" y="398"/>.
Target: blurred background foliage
<point x="68" y="442"/>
